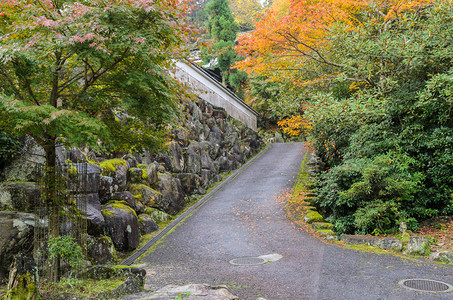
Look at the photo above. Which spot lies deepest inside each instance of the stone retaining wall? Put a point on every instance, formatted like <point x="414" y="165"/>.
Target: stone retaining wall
<point x="129" y="195"/>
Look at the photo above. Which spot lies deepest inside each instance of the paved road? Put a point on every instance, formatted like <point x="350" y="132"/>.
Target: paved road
<point x="247" y="218"/>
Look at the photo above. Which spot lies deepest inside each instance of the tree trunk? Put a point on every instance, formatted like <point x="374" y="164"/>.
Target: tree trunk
<point x="51" y="192"/>
<point x="22" y="279"/>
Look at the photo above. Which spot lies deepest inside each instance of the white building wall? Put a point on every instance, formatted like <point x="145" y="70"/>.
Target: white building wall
<point x="212" y="91"/>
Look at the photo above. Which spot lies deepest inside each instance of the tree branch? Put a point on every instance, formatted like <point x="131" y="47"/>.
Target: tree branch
<point x="70" y="81"/>
<point x="12" y="85"/>
<point x="54" y="92"/>
<point x="321" y="57"/>
<point x="98" y="74"/>
<point x="26" y="84"/>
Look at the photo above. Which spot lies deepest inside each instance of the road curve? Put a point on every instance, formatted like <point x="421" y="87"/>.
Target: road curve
<point x="247" y="219"/>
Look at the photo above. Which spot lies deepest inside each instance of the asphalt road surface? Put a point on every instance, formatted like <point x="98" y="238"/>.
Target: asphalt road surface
<point x="247" y="219"/>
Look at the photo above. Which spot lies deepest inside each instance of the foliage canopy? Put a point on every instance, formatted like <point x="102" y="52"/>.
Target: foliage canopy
<point x="376" y="78"/>
<point x="89" y="71"/>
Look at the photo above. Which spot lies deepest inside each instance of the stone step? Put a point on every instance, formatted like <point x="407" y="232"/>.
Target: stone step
<point x="322" y="225"/>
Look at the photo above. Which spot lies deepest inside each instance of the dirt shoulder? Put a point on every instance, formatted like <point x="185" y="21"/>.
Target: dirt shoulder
<point x="440" y="231"/>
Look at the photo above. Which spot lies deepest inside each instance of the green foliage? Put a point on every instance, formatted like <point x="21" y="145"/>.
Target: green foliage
<point x="182" y="295"/>
<point x="223" y="29"/>
<point x="238" y="80"/>
<point x="221" y="24"/>
<point x="9" y="148"/>
<point x="369" y="195"/>
<point x="67" y="249"/>
<point x="274" y="100"/>
<point x="91" y="72"/>
<point x="386" y="136"/>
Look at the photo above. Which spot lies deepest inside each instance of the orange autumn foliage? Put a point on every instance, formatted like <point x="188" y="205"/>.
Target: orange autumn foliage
<point x="283" y="45"/>
<point x="295" y="125"/>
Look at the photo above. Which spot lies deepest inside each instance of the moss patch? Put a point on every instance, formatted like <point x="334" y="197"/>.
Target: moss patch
<point x="144" y="169"/>
<point x="325" y="232"/>
<point x="25" y="289"/>
<point x="366" y="248"/>
<point x="137" y="188"/>
<point x="72" y="171"/>
<point x="72" y="288"/>
<point x="138" y="197"/>
<point x="120" y="267"/>
<point x="313" y="216"/>
<point x="322" y="225"/>
<point x="106" y="212"/>
<point x="120" y="205"/>
<point x="117" y="205"/>
<point x="109" y="166"/>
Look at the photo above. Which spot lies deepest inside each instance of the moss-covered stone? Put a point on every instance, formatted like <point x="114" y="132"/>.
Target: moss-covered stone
<point x="313" y="216"/>
<point x="144" y="168"/>
<point x="418" y="245"/>
<point x="145" y="194"/>
<point x="25" y="290"/>
<point x="157" y="215"/>
<point x="123" y="206"/>
<point x="322" y="225"/>
<point x="146" y="224"/>
<point x="442" y="256"/>
<point x="122" y="227"/>
<point x="109" y="166"/>
<point x="100" y="250"/>
<point x="325" y="232"/>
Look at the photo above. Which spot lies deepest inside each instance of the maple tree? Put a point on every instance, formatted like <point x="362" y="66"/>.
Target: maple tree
<point x="292" y="41"/>
<point x="280" y="7"/>
<point x="89" y="73"/>
<point x="295" y="125"/>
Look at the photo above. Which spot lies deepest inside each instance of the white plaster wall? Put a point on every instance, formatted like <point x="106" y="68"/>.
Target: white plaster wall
<point x="210" y="90"/>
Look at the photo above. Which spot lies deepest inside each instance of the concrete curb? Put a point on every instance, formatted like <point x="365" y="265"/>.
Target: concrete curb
<point x="131" y="259"/>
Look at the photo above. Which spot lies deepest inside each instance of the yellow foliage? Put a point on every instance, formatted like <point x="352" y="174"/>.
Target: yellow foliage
<point x="246" y="11"/>
<point x="281" y="7"/>
<point x="295" y="125"/>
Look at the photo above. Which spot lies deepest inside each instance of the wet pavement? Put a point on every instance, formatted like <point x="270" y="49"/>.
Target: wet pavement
<point x="247" y="219"/>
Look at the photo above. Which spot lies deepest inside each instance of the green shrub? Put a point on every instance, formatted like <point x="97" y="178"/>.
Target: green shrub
<point x="369" y="195"/>
<point x="9" y="148"/>
<point x="67" y="249"/>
